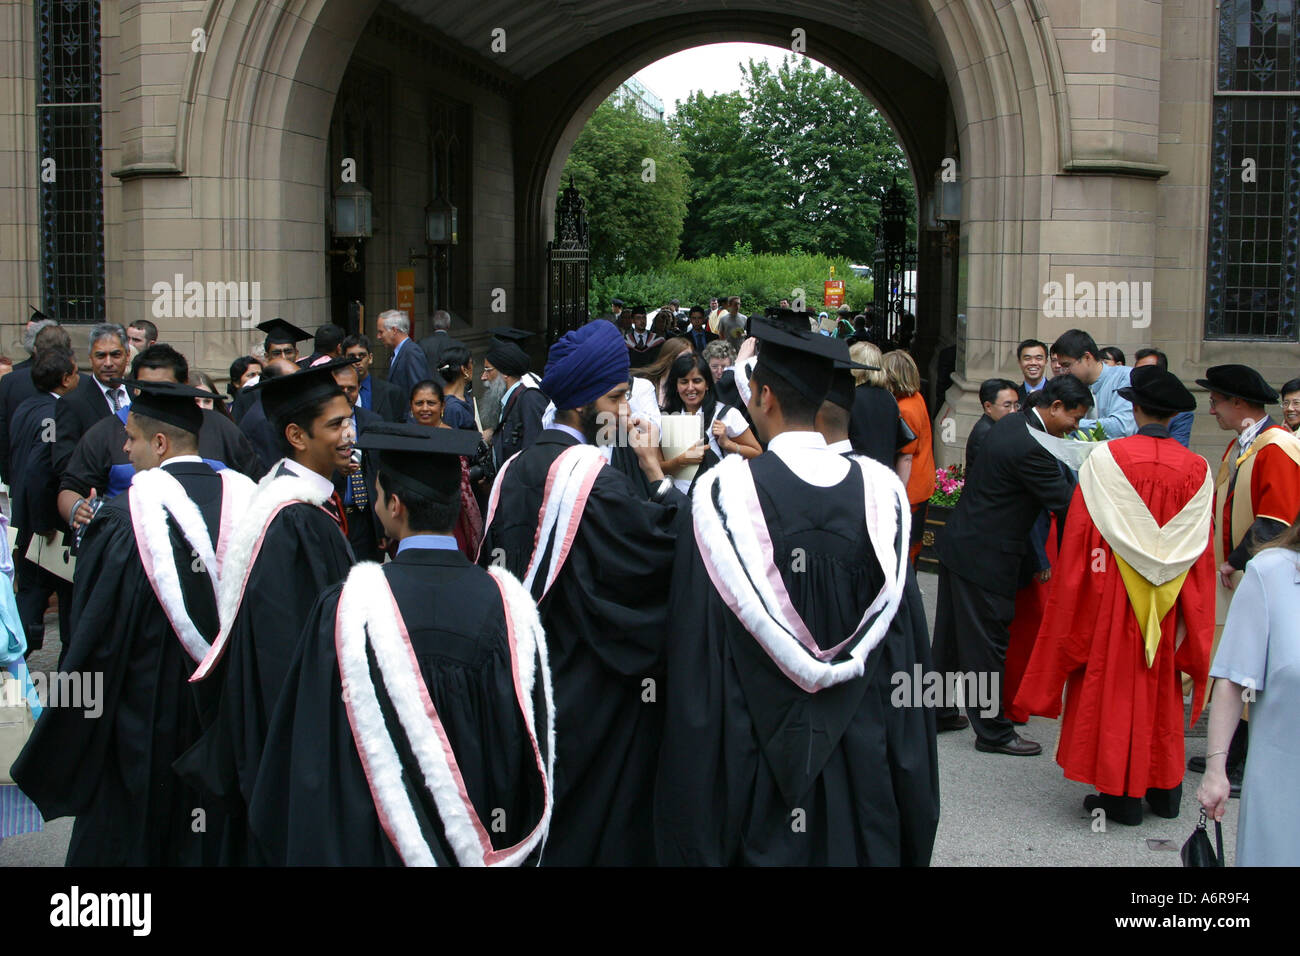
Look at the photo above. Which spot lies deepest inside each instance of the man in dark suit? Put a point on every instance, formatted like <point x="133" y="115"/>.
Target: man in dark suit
<point x="100" y="464"/>
<point x="981" y="551"/>
<point x="698" y="334"/>
<point x="375" y="394"/>
<point x="356" y="488"/>
<point x="408" y="366"/>
<point x="35" y="510"/>
<point x="433" y="344"/>
<point x="17" y="387"/>
<point x="999" y="398"/>
<point x="1031" y="354"/>
<point x="98" y="396"/>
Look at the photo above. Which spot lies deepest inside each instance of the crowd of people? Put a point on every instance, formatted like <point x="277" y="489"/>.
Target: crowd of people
<point x="645" y="606"/>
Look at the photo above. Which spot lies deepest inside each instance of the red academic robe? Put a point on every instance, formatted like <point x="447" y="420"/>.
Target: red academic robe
<point x="1031" y="603"/>
<point x="1123" y="726"/>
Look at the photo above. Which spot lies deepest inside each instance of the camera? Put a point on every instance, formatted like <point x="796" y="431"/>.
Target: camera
<point x="481" y="466"/>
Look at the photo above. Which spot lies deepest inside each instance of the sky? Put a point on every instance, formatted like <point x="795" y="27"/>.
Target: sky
<point x="711" y="69"/>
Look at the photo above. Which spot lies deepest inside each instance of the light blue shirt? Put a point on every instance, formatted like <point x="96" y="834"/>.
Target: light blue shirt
<point x="568" y="431"/>
<point x="398" y="349"/>
<point x="427" y="542"/>
<point x="1109" y="407"/>
<point x="1030" y="389"/>
<point x="505" y="399"/>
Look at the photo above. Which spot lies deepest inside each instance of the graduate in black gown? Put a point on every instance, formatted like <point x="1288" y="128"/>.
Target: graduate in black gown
<point x="291" y="545"/>
<point x="343" y="779"/>
<point x="99" y="462"/>
<point x="603" y="601"/>
<point x="782" y="742"/>
<point x="144" y="611"/>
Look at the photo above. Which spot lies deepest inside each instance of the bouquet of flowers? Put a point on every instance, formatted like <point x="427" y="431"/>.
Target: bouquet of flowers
<point x="1096" y="433"/>
<point x="948" y="483"/>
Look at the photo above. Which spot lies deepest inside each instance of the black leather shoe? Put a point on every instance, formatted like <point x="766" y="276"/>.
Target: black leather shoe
<point x="952" y="722"/>
<point x="1113" y="813"/>
<point x="1017" y="746"/>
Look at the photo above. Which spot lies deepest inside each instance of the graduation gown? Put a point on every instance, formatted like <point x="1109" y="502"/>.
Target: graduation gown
<point x="754" y="769"/>
<point x="312" y="803"/>
<point x="303" y="552"/>
<point x="606" y="621"/>
<point x="1123" y="726"/>
<point x="113" y="771"/>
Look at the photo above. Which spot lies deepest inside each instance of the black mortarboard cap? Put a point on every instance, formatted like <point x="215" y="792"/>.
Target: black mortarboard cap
<point x="168" y="402"/>
<point x="423" y="460"/>
<point x="802" y="357"/>
<point x="286" y="394"/>
<point x="508" y="334"/>
<point x="38" y="315"/>
<point x="280" y="332"/>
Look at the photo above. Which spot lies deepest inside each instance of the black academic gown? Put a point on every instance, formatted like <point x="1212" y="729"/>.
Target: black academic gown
<point x="312" y="805"/>
<point x="606" y="621"/>
<point x="304" y="553"/>
<point x="114" y="772"/>
<point x="745" y="750"/>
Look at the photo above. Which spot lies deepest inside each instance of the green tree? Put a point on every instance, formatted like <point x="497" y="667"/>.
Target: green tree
<point x="797" y="161"/>
<point x="635" y="209"/>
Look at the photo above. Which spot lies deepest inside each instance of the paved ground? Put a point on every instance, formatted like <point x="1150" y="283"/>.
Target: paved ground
<point x="996" y="810"/>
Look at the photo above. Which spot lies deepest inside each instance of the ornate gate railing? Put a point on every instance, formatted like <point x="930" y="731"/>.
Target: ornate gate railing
<point x="568" y="267"/>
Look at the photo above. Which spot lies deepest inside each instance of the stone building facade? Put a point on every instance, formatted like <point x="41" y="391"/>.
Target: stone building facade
<point x="1154" y="143"/>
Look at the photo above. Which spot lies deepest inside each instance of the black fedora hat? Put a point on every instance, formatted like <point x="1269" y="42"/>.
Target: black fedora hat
<point x="1157" y="390"/>
<point x="1238" y="381"/>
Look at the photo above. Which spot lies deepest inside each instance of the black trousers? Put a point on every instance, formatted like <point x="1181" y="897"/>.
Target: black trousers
<point x="35" y="585"/>
<point x="1163" y="803"/>
<point x="971" y="632"/>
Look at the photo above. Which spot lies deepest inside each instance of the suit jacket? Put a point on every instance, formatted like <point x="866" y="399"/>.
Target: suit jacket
<point x="1023" y="391"/>
<point x="387" y="401"/>
<point x="521" y="423"/>
<point x="15" y="388"/>
<point x="257" y="429"/>
<point x="700" y="339"/>
<point x="408" y="368"/>
<point x="1013" y="479"/>
<point x="365" y="531"/>
<point x="976" y="438"/>
<point x="74" y="413"/>
<point x="432" y="346"/>
<point x="36" y="491"/>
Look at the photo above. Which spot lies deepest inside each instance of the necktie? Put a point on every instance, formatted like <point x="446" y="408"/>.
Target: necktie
<point x="113" y="400"/>
<point x="334" y="505"/>
<point x="357" y="484"/>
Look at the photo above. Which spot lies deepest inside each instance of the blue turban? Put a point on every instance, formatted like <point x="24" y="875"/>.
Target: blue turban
<point x="585" y="364"/>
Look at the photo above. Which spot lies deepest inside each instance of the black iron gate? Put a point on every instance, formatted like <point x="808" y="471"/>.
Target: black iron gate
<point x="894" y="268"/>
<point x="568" y="267"/>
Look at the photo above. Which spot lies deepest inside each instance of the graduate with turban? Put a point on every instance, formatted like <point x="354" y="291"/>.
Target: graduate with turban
<point x="597" y="557"/>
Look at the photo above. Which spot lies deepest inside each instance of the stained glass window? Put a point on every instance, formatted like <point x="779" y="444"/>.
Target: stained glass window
<point x="68" y="116"/>
<point x="1255" y="182"/>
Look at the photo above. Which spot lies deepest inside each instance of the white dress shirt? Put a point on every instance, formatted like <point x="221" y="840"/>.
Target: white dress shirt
<point x="319" y="483"/>
<point x="806" y="454"/>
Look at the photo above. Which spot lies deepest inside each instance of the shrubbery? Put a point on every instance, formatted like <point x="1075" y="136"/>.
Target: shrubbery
<point x="759" y="280"/>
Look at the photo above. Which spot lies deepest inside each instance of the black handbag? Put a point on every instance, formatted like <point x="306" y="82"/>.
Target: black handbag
<point x="1197" y="850"/>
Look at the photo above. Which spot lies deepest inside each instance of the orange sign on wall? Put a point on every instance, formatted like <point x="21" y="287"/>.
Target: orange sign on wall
<point x="406" y="294"/>
<point x="834" y="295"/>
